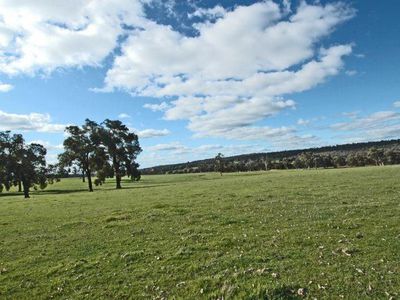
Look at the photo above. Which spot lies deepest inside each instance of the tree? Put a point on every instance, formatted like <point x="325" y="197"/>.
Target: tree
<point x="307" y="159"/>
<point x="351" y="160"/>
<point x="267" y="163"/>
<point x="219" y="163"/>
<point x="376" y="155"/>
<point x="339" y="161"/>
<point x="286" y="163"/>
<point x="135" y="174"/>
<point x="317" y="160"/>
<point x="22" y="163"/>
<point x="392" y="156"/>
<point x="121" y="146"/>
<point x="298" y="163"/>
<point x="81" y="150"/>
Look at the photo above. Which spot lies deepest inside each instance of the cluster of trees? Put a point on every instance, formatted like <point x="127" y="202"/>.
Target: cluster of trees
<point x="107" y="149"/>
<point x="23" y="165"/>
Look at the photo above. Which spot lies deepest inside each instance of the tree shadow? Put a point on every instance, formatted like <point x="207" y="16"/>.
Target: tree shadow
<point x="43" y="192"/>
<point x="58" y="191"/>
<point x="142" y="186"/>
<point x="285" y="292"/>
<point x="78" y="190"/>
<point x="11" y="194"/>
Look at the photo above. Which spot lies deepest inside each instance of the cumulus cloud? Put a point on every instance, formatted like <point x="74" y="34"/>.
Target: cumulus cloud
<point x="220" y="81"/>
<point x="239" y="68"/>
<point x="4" y="87"/>
<point x="29" y="122"/>
<point x="49" y="34"/>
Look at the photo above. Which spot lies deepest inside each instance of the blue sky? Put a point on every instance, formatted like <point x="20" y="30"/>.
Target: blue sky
<point x="194" y="78"/>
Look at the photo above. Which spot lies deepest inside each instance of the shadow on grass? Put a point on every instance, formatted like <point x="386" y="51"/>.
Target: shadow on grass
<point x="80" y="190"/>
<point x="143" y="186"/>
<point x="11" y="194"/>
<point x="43" y="192"/>
<point x="284" y="292"/>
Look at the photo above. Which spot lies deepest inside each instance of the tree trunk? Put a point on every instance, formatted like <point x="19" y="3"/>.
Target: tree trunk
<point x="89" y="176"/>
<point x="118" y="179"/>
<point x="19" y="186"/>
<point x="83" y="176"/>
<point x="26" y="187"/>
<point x="117" y="174"/>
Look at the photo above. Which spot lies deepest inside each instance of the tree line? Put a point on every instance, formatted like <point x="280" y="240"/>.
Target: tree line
<point x="106" y="150"/>
<point x="349" y="155"/>
<point x="308" y="160"/>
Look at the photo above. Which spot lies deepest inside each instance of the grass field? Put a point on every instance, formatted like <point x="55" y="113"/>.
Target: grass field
<point x="333" y="233"/>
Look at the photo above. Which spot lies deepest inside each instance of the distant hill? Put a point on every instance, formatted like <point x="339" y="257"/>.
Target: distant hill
<point x="206" y="165"/>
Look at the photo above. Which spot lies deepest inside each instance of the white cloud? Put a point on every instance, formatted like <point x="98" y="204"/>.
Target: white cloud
<point x="159" y="55"/>
<point x="166" y="6"/>
<point x="157" y="107"/>
<point x="351" y="72"/>
<point x="376" y="126"/>
<point x="49" y="34"/>
<point x="48" y="145"/>
<point x="29" y="122"/>
<point x="52" y="158"/>
<point x="351" y="114"/>
<point x="209" y="13"/>
<point x="396" y="104"/>
<point x="303" y="122"/>
<point x="4" y="87"/>
<point x="167" y="147"/>
<point x="371" y="121"/>
<point x="150" y="133"/>
<point x="220" y="81"/>
<point x="240" y="68"/>
<point x="124" y="116"/>
<point x="52" y="150"/>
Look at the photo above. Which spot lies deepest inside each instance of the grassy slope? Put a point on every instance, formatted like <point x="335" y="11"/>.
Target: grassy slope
<point x="252" y="235"/>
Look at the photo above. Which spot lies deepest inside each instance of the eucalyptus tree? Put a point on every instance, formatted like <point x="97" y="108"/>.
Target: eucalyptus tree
<point x="81" y="149"/>
<point x="219" y="163"/>
<point x="377" y="156"/>
<point x="21" y="163"/>
<point x="121" y="145"/>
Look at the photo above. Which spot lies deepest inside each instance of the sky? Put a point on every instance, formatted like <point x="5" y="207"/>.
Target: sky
<point x="194" y="78"/>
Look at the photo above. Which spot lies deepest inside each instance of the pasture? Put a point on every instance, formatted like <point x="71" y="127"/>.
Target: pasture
<point x="325" y="234"/>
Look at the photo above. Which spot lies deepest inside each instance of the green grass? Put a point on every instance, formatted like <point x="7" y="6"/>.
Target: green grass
<point x="335" y="233"/>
